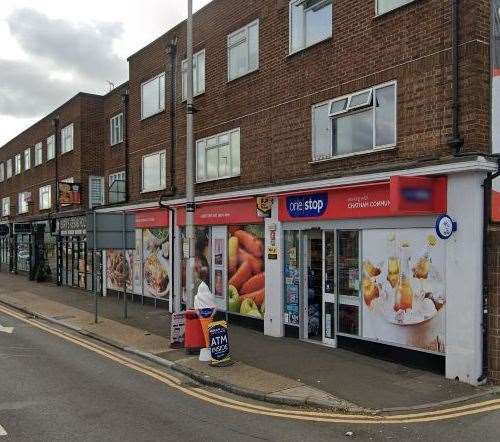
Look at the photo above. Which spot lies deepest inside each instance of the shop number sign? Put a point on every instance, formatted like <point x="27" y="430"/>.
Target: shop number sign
<point x="219" y="343"/>
<point x="307" y="206"/>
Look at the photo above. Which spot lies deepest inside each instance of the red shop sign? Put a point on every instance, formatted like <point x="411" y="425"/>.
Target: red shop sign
<point x="242" y="211"/>
<point x="414" y="195"/>
<point x="151" y="218"/>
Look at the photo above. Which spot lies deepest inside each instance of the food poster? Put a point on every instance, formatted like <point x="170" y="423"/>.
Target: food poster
<point x="119" y="270"/>
<point x="404" y="288"/>
<point x="246" y="277"/>
<point x="156" y="262"/>
<point x="291" y="273"/>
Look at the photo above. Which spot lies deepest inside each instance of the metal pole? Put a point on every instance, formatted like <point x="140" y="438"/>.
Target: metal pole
<point x="124" y="238"/>
<point x="94" y="270"/>
<point x="190" y="206"/>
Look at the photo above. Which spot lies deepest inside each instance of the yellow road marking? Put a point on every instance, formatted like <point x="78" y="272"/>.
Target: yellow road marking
<point x="233" y="404"/>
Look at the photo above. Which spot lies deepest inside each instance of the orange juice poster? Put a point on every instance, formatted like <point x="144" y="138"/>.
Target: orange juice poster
<point x="403" y="288"/>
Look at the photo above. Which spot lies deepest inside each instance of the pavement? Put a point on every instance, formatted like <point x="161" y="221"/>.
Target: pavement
<point x="283" y="371"/>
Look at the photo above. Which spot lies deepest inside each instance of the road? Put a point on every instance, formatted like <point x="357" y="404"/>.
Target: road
<point x="57" y="387"/>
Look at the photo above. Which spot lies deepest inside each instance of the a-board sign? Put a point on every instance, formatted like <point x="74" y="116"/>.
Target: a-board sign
<point x="219" y="343"/>
<point x="177" y="330"/>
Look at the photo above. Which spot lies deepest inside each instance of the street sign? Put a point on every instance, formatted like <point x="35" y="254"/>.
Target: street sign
<point x="109" y="231"/>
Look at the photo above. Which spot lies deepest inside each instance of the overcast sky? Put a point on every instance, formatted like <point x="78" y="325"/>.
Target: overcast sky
<point x="52" y="49"/>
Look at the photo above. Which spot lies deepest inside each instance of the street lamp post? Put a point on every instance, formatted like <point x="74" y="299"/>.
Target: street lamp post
<point x="190" y="205"/>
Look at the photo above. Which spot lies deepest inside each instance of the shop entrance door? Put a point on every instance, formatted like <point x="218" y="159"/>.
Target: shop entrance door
<point x="313" y="286"/>
<point x="329" y="289"/>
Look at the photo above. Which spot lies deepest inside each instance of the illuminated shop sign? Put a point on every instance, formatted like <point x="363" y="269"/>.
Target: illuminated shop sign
<point x="307" y="206"/>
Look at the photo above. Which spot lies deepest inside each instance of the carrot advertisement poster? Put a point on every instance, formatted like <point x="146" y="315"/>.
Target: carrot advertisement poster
<point x="246" y="276"/>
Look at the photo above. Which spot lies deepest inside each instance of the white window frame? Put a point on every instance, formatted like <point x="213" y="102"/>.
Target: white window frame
<point x="163" y="173"/>
<point x="244" y="40"/>
<point x="42" y="191"/>
<point x="9" y="169"/>
<point x="161" y="103"/>
<point x="203" y="144"/>
<point x="93" y="203"/>
<point x="67" y="133"/>
<point x="118" y="176"/>
<point x="6" y="204"/>
<point x="378" y="13"/>
<point x="27" y="159"/>
<point x="116" y="129"/>
<point x="22" y="203"/>
<point x="291" y="5"/>
<point x="2" y="172"/>
<point x="353" y="109"/>
<point x="38" y="154"/>
<point x="197" y="88"/>
<point x="18" y="164"/>
<point x="51" y="147"/>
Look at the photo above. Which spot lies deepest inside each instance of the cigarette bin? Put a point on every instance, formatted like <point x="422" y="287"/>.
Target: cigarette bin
<point x="194" y="339"/>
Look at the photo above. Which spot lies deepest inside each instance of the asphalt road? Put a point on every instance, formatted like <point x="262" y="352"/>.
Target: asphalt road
<point x="55" y="390"/>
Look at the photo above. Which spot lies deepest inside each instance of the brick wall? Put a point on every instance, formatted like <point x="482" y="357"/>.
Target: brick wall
<point x="494" y="304"/>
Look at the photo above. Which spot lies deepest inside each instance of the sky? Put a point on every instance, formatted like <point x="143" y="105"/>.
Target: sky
<point x="53" y="49"/>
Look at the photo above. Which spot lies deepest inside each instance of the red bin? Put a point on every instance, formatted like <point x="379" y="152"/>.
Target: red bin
<point x="194" y="340"/>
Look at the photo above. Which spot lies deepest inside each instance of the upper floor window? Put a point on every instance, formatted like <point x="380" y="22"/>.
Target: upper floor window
<point x="384" y="6"/>
<point x="38" y="154"/>
<point x="96" y="191"/>
<point x="2" y="172"/>
<point x="51" y="147"/>
<point x="27" y="159"/>
<point x="17" y="164"/>
<point x="218" y="156"/>
<point x="116" y="183"/>
<point x="154" y="172"/>
<point x="45" y="197"/>
<point x="310" y="22"/>
<point x="24" y="199"/>
<point x="6" y="206"/>
<point x="358" y="122"/>
<point x="198" y="75"/>
<point x="9" y="168"/>
<point x="153" y="96"/>
<point x="243" y="51"/>
<point x="67" y="138"/>
<point x="116" y="129"/>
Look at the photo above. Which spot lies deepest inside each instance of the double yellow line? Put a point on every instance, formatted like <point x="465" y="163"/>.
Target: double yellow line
<point x="248" y="407"/>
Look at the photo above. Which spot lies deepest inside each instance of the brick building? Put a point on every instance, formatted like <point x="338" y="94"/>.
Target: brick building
<point x="346" y="120"/>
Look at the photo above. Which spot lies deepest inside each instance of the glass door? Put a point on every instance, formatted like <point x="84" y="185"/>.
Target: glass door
<point x="329" y="289"/>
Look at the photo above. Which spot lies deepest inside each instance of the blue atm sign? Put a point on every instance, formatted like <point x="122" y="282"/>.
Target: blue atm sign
<point x="307" y="206"/>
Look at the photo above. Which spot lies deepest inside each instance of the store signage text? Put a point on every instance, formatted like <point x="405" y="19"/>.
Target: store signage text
<point x="307" y="206"/>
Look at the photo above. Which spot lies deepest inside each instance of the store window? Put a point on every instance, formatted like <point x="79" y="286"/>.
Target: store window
<point x="348" y="281"/>
<point x="45" y="198"/>
<point x="154" y="172"/>
<point x="6" y="206"/>
<point x="218" y="156"/>
<point x="23" y="202"/>
<point x="291" y="276"/>
<point x="116" y="129"/>
<point x="17" y="164"/>
<point x="310" y="23"/>
<point x="198" y="75"/>
<point x="38" y="154"/>
<point x="243" y="51"/>
<point x="9" y="168"/>
<point x="153" y="96"/>
<point x="51" y="147"/>
<point x="27" y="159"/>
<point x="67" y="139"/>
<point x="361" y="122"/>
<point x="384" y="6"/>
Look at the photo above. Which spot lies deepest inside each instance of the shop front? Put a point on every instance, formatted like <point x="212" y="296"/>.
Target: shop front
<point x="5" y="247"/>
<point x="229" y="255"/>
<point x="23" y="236"/>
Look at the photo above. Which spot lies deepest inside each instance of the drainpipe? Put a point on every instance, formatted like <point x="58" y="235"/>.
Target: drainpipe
<point x="487" y="193"/>
<point x="55" y="124"/>
<point x="172" y="51"/>
<point x="455" y="142"/>
<point x="125" y="100"/>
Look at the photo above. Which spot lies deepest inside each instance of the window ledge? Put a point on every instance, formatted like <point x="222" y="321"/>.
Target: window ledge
<point x="67" y="151"/>
<point x="199" y="94"/>
<point x="354" y="154"/>
<point x="156" y="189"/>
<point x="299" y="51"/>
<point x="232" y="80"/>
<point x="153" y="115"/>
<point x="383" y="14"/>
<point x="209" y="180"/>
<point x="117" y="144"/>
